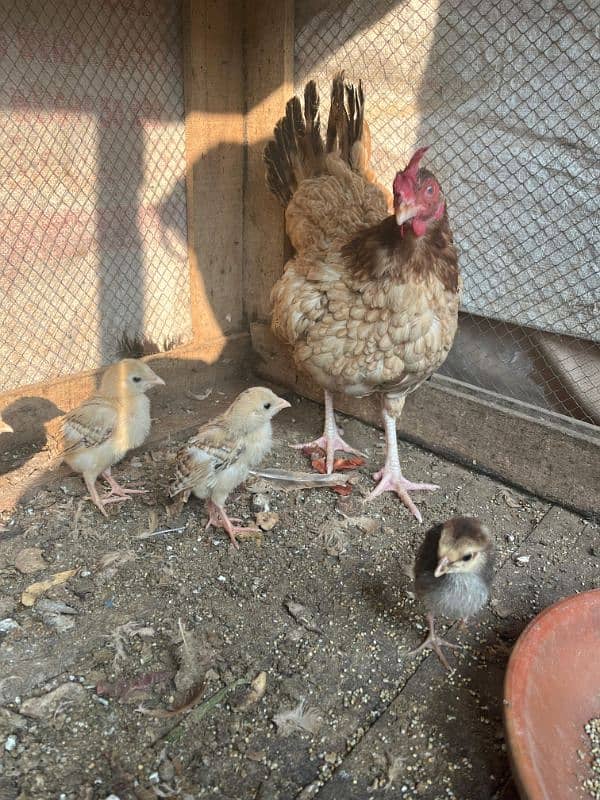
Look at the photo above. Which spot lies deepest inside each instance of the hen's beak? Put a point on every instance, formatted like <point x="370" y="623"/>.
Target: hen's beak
<point x="405" y="211"/>
<point x="442" y="566"/>
<point x="281" y="404"/>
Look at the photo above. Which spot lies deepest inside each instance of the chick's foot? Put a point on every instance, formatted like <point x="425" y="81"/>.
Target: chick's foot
<point x="219" y="519"/>
<point x="435" y="643"/>
<point x="392" y="480"/>
<point x="116" y="490"/>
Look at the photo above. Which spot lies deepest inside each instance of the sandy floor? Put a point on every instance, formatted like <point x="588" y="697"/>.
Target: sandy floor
<point x="319" y="604"/>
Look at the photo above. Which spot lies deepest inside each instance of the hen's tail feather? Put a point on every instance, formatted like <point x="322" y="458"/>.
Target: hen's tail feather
<point x="297" y="150"/>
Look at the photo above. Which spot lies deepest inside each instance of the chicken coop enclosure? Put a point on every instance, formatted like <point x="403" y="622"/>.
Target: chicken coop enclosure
<point x="135" y="213"/>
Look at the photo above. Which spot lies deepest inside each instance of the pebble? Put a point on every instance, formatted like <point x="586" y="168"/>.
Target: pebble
<point x="10" y="743"/>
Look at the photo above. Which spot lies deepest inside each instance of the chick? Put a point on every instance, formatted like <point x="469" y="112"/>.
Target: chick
<point x="453" y="573"/>
<point x="224" y="450"/>
<point x="101" y="430"/>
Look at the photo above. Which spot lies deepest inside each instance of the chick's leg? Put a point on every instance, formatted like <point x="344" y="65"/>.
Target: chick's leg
<point x="331" y="439"/>
<point x="101" y="502"/>
<point x="219" y="519"/>
<point x="435" y="643"/>
<point x="390" y="477"/>
<point x="116" y="490"/>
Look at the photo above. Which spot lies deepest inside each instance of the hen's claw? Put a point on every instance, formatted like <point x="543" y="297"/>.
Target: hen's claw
<point x="394" y="481"/>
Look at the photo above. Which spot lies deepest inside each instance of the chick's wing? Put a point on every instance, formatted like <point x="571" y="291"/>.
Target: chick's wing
<point x="212" y="450"/>
<point x="90" y="425"/>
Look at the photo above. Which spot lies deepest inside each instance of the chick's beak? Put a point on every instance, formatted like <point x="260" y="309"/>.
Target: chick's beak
<point x="442" y="566"/>
<point x="156" y="381"/>
<point x="405" y="211"/>
<point x="5" y="427"/>
<point x="281" y="404"/>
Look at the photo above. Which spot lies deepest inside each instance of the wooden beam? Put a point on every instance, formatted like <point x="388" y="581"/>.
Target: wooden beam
<point x="550" y="456"/>
<point x="28" y="408"/>
<point x="214" y="130"/>
<point x="269" y="58"/>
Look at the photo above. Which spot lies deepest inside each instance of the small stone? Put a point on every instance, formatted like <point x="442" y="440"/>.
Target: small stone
<point x="10" y="743"/>
<point x="30" y="560"/>
<point x="46" y="706"/>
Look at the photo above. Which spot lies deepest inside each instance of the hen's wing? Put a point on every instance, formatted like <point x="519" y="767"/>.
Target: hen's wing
<point x="90" y="425"/>
<point x="199" y="463"/>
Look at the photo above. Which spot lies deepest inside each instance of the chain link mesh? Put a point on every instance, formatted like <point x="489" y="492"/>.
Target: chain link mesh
<point x="92" y="162"/>
<point x="507" y="95"/>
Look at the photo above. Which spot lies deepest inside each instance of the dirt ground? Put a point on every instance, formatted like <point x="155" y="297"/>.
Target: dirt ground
<point x="319" y="604"/>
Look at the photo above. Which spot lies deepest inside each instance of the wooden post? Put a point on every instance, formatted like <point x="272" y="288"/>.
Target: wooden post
<point x="269" y="56"/>
<point x="214" y="123"/>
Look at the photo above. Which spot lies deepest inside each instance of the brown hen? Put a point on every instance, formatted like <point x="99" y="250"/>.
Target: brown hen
<point x="369" y="301"/>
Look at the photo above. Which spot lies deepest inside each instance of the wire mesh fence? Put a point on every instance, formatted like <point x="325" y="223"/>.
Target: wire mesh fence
<point x="507" y="95"/>
<point x="93" y="210"/>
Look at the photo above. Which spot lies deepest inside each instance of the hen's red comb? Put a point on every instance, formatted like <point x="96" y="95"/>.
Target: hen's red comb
<point x="413" y="165"/>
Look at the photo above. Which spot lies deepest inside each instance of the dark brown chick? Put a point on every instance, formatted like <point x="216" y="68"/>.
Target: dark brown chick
<point x="453" y="572"/>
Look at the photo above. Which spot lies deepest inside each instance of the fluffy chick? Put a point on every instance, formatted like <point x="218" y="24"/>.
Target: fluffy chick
<point x="453" y="572"/>
<point x="103" y="428"/>
<point x="224" y="450"/>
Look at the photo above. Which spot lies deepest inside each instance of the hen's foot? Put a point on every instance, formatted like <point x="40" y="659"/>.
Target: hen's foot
<point x="393" y="481"/>
<point x="435" y="643"/>
<point x="219" y="519"/>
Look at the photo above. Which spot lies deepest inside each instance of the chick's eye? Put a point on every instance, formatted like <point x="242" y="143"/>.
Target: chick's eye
<point x="136" y="379"/>
<point x="467" y="557"/>
<point x="267" y="405"/>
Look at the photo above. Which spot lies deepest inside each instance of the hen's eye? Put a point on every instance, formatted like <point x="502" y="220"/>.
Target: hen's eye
<point x="136" y="379"/>
<point x="429" y="189"/>
<point x="467" y="557"/>
<point x="267" y="405"/>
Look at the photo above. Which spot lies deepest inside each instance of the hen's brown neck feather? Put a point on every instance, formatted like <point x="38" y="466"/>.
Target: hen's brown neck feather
<point x="387" y="251"/>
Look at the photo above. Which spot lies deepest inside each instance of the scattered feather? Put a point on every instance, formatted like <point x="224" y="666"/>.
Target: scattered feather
<point x="508" y="498"/>
<point x="120" y="637"/>
<point x="128" y="689"/>
<point x="266" y="520"/>
<point x="110" y="562"/>
<point x="300" y="718"/>
<point x="334" y="539"/>
<point x="290" y="480"/>
<point x="201" y="395"/>
<point x="302" y="615"/>
<point x="255" y="692"/>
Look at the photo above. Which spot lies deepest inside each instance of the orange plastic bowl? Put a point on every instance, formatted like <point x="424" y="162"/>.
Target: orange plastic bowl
<point x="552" y="688"/>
